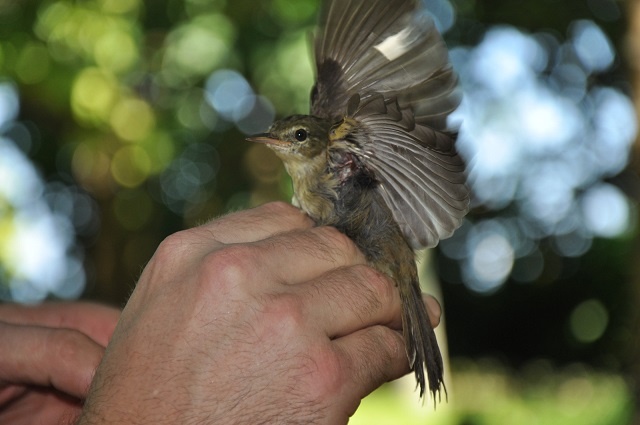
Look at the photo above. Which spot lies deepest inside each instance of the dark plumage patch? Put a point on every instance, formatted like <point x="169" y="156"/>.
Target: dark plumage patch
<point x="331" y="85"/>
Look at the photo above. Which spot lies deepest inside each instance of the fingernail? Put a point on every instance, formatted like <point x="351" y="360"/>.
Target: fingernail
<point x="432" y="305"/>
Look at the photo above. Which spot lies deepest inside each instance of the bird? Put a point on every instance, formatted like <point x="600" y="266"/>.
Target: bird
<point x="375" y="157"/>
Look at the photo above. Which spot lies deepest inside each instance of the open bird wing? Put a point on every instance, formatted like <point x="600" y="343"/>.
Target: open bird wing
<point x="419" y="173"/>
<point x="391" y="47"/>
<point x="383" y="63"/>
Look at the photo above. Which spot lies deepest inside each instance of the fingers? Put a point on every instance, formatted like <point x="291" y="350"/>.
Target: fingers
<point x="274" y="264"/>
<point x="348" y="299"/>
<point x="258" y="223"/>
<point x="299" y="256"/>
<point x="232" y="233"/>
<point x="95" y="320"/>
<point x="433" y="308"/>
<point x="386" y="359"/>
<point x="61" y="358"/>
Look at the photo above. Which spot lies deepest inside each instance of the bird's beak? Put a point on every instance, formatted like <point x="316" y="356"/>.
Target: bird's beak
<point x="267" y="139"/>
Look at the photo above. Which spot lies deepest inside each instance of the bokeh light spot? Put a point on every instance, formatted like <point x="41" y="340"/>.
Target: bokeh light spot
<point x="90" y="166"/>
<point x="116" y="50"/>
<point x="572" y="244"/>
<point x="51" y="18"/>
<point x="227" y="91"/>
<point x="592" y="46"/>
<point x="9" y="103"/>
<point x="589" y="321"/>
<point x="507" y="59"/>
<point x="93" y="95"/>
<point x="189" y="178"/>
<point x="160" y="147"/>
<point x="443" y="13"/>
<point x="231" y="96"/>
<point x="615" y="129"/>
<point x="188" y="110"/>
<point x="130" y="166"/>
<point x="132" y="119"/>
<point x="606" y="211"/>
<point x="198" y="47"/>
<point x="33" y="64"/>
<point x="35" y="241"/>
<point x="19" y="181"/>
<point x="490" y="257"/>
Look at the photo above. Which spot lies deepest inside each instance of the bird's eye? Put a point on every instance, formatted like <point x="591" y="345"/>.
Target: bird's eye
<point x="301" y="135"/>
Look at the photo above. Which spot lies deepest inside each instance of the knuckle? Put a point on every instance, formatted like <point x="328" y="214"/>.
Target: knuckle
<point x="387" y="347"/>
<point x="172" y="246"/>
<point x="69" y="343"/>
<point x="326" y="368"/>
<point x="384" y="349"/>
<point x="388" y="341"/>
<point x="284" y="211"/>
<point x="232" y="267"/>
<point x="338" y="238"/>
<point x="381" y="286"/>
<point x="338" y="241"/>
<point x="173" y="257"/>
<point x="283" y="317"/>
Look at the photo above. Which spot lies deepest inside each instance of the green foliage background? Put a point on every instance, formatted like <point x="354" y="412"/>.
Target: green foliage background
<point x="112" y="92"/>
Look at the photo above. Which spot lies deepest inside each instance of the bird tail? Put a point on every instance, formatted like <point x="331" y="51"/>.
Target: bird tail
<point x="420" y="339"/>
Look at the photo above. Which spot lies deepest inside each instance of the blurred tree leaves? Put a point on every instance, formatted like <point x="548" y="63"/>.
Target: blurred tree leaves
<point x="114" y="90"/>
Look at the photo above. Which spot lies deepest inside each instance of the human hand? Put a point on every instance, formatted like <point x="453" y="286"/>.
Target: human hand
<point x="257" y="317"/>
<point x="48" y="354"/>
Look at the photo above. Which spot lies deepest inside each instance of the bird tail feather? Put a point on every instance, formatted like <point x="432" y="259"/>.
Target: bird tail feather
<point x="421" y="344"/>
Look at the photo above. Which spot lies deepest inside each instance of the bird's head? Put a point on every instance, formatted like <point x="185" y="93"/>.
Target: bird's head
<point x="296" y="138"/>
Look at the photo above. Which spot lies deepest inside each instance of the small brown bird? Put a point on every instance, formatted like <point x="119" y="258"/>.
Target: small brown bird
<point x="374" y="158"/>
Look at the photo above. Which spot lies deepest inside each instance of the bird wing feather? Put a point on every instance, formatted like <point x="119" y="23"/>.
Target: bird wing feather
<point x="389" y="47"/>
<point x="419" y="173"/>
<point x="383" y="63"/>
